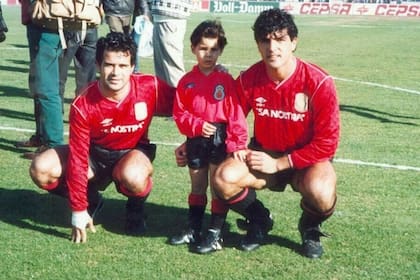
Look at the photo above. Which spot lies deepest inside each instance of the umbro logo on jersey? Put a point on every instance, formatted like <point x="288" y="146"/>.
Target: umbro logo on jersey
<point x="260" y="101"/>
<point x="106" y="122"/>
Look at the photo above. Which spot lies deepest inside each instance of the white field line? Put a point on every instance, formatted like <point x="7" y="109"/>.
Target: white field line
<point x="339" y="79"/>
<point x="346" y="161"/>
<point x="378" y="85"/>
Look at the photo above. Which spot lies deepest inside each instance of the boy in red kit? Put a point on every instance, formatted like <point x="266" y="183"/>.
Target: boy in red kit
<point x="296" y="134"/>
<point x="108" y="139"/>
<point x="206" y="110"/>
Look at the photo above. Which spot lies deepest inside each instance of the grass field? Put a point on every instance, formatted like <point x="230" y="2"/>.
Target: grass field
<point x="375" y="232"/>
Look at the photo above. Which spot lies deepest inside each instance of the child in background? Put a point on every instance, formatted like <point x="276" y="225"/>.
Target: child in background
<point x="207" y="112"/>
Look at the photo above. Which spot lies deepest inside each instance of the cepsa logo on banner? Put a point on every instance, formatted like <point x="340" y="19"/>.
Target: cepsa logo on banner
<point x="311" y="8"/>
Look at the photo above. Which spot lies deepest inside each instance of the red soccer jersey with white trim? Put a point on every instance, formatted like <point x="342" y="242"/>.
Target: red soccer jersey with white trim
<point x="210" y="98"/>
<point x="299" y="116"/>
<point x="113" y="125"/>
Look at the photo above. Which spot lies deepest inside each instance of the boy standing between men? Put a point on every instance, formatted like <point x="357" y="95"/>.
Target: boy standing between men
<point x="206" y="110"/>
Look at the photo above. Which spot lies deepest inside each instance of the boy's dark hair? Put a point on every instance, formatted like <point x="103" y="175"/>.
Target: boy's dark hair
<point x="116" y="42"/>
<point x="209" y="29"/>
<point x="273" y="20"/>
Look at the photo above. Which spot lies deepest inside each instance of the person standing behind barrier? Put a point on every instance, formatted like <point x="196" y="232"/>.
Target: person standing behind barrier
<point x="207" y="112"/>
<point x="169" y="27"/>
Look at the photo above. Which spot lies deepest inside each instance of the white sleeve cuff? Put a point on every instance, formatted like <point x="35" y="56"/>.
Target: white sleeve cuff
<point x="80" y="219"/>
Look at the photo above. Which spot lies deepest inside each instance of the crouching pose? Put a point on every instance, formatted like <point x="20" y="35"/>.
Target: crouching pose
<point x="108" y="139"/>
<point x="296" y="133"/>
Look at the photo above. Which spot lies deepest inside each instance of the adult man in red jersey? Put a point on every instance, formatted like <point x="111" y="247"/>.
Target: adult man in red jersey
<point x="108" y="140"/>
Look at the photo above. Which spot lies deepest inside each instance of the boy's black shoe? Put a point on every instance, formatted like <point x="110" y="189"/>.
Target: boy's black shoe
<point x="257" y="232"/>
<point x="211" y="243"/>
<point x="187" y="236"/>
<point x="311" y="244"/>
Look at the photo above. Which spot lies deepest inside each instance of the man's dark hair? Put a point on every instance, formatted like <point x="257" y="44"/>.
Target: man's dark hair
<point x="115" y="42"/>
<point x="273" y="20"/>
<point x="209" y="29"/>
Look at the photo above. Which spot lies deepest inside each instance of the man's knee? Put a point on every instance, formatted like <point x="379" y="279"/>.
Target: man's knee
<point x="138" y="188"/>
<point x="45" y="168"/>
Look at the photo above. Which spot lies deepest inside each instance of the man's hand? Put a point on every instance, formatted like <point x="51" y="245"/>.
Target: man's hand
<point x="80" y="221"/>
<point x="181" y="155"/>
<point x="262" y="162"/>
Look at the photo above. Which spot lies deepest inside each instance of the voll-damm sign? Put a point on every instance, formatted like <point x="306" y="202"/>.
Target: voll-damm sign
<point x="245" y="7"/>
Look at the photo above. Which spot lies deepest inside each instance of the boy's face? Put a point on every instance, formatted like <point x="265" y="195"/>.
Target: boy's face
<point x="277" y="49"/>
<point x="115" y="72"/>
<point x="207" y="51"/>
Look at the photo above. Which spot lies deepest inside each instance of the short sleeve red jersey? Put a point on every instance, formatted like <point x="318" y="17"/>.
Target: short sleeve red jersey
<point x="299" y="116"/>
<point x="210" y="98"/>
<point x="113" y="125"/>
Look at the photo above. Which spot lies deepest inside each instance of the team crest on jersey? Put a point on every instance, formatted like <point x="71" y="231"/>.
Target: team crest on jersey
<point x="140" y="111"/>
<point x="219" y="92"/>
<point x="301" y="102"/>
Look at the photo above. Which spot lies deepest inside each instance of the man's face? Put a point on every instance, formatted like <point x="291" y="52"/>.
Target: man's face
<point x="277" y="49"/>
<point x="115" y="72"/>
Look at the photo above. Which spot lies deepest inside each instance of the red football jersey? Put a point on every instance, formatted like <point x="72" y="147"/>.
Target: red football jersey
<point x="210" y="98"/>
<point x="113" y="125"/>
<point x="299" y="116"/>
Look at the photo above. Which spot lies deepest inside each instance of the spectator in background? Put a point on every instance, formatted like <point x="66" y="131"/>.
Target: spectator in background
<point x="35" y="140"/>
<point x="82" y="52"/>
<point x="141" y="9"/>
<point x="119" y="14"/>
<point x="45" y="50"/>
<point x="170" y="22"/>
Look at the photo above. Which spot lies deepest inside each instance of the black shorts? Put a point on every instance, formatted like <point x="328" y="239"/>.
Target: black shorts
<point x="202" y="151"/>
<point x="102" y="161"/>
<point x="277" y="181"/>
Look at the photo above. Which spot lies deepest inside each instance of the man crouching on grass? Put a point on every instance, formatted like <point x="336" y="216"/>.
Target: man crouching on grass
<point x="108" y="140"/>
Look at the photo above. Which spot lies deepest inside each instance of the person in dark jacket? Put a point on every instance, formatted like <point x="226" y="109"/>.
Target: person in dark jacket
<point x="119" y="14"/>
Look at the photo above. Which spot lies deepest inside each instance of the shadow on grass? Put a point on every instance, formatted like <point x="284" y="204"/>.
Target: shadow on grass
<point x="384" y="117"/>
<point x="233" y="239"/>
<point x="44" y="212"/>
<point x="29" y="209"/>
